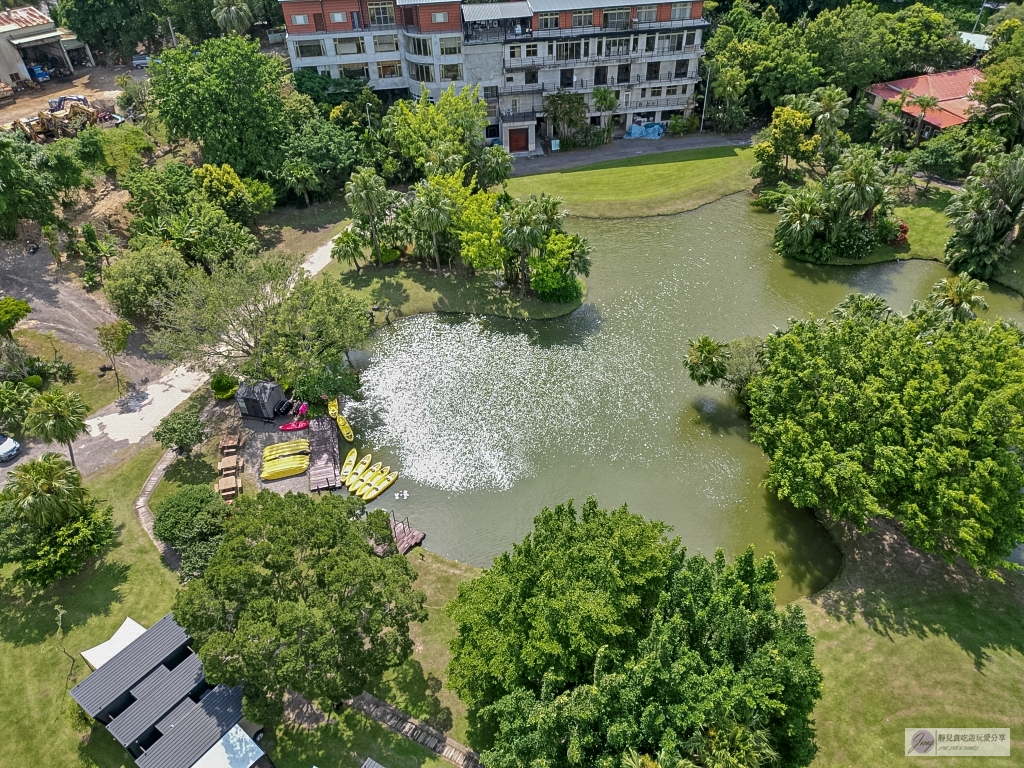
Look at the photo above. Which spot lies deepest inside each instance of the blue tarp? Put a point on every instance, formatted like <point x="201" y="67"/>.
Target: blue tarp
<point x="649" y="131"/>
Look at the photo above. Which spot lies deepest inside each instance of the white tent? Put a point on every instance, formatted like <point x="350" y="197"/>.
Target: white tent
<point x="104" y="652"/>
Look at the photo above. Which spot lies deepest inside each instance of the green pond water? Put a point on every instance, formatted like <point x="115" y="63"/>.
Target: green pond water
<point x="490" y="420"/>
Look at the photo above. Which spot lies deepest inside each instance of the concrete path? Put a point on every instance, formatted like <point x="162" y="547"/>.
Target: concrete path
<point x="145" y="514"/>
<point x="620" y="149"/>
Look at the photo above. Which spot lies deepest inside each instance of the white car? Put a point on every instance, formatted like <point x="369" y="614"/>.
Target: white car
<point x="9" y="447"/>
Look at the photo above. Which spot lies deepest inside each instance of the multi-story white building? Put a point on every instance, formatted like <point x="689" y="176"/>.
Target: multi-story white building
<point x="517" y="52"/>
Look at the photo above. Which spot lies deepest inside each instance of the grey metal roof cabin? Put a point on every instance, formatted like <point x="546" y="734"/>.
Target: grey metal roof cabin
<point x="154" y="699"/>
<point x="259" y="400"/>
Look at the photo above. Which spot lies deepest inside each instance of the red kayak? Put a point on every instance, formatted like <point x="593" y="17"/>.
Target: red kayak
<point x="293" y="426"/>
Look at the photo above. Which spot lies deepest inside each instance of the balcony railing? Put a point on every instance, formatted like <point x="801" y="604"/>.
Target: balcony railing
<point x="667" y="102"/>
<point x="517" y="117"/>
<point x="507" y="32"/>
<point x="558" y="62"/>
<point x="611" y="82"/>
<point x="514" y="90"/>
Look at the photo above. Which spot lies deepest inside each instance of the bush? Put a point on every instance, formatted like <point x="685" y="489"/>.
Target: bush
<point x="15" y="399"/>
<point x="192" y="521"/>
<point x="138" y="278"/>
<point x="891" y="231"/>
<point x="182" y="431"/>
<point x="224" y="385"/>
<point x="34" y="381"/>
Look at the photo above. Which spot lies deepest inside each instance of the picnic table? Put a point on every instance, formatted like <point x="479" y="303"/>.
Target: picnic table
<point x="229" y="444"/>
<point x="230" y="463"/>
<point x="227" y="487"/>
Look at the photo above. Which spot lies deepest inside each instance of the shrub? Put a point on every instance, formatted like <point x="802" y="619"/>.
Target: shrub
<point x="319" y="387"/>
<point x="15" y="399"/>
<point x="135" y="281"/>
<point x="182" y="431"/>
<point x="224" y="385"/>
<point x="192" y="521"/>
<point x="34" y="381"/>
<point x="891" y="231"/>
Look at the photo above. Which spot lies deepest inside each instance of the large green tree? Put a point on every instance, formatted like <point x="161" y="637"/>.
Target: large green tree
<point x="296" y="599"/>
<point x="111" y="25"/>
<point x="34" y="181"/>
<point x="225" y="95"/>
<point x="192" y="520"/>
<point x="135" y="281"/>
<point x="916" y="418"/>
<point x="597" y="635"/>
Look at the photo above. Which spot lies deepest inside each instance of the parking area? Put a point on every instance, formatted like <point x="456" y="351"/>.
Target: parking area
<point x="95" y="83"/>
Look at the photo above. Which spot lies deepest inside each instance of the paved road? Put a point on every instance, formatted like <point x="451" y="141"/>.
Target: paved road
<point x="620" y="149"/>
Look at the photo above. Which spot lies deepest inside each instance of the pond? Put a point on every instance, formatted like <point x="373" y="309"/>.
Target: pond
<point x="490" y="420"/>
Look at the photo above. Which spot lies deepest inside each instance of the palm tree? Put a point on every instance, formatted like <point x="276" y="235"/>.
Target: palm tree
<point x="233" y="16"/>
<point x="605" y="100"/>
<point x="45" y="492"/>
<point x="300" y="177"/>
<point x="733" y="745"/>
<point x="832" y="109"/>
<point x="433" y="211"/>
<point x="348" y="248"/>
<point x="801" y="217"/>
<point x="924" y="103"/>
<point x="1012" y="108"/>
<point x="801" y="102"/>
<point x="960" y="296"/>
<point x="633" y="759"/>
<point x="707" y="360"/>
<point x="522" y="231"/>
<point x="494" y="167"/>
<point x="859" y="182"/>
<point x="858" y="305"/>
<point x="367" y="194"/>
<point x="57" y="415"/>
<point x="729" y="85"/>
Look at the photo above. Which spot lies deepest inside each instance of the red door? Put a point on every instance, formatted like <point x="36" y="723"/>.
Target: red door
<point x="518" y="139"/>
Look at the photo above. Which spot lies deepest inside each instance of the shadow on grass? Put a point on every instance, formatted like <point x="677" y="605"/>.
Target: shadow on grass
<point x="809" y="557"/>
<point x="415" y="693"/>
<point x="28" y="616"/>
<point x="191" y="470"/>
<point x="897" y="590"/>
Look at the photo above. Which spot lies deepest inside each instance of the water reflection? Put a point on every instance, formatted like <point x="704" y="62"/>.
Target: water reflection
<point x="490" y="420"/>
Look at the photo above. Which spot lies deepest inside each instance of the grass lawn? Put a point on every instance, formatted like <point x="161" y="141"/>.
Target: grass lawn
<point x="905" y="641"/>
<point x="129" y="580"/>
<point x="413" y="290"/>
<point x="96" y="390"/>
<point x="302" y="230"/>
<point x="650" y="185"/>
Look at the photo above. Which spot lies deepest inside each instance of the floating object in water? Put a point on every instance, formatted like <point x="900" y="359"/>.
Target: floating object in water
<point x="346" y="430"/>
<point x="293" y="425"/>
<point x="371" y="482"/>
<point x="350" y="462"/>
<point x="359" y="469"/>
<point x="405" y="494"/>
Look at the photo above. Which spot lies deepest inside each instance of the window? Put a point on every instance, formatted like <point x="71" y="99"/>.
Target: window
<point x="565" y="78"/>
<point x="653" y="70"/>
<point x="670" y="43"/>
<point x="355" y="71"/>
<point x="531" y="77"/>
<point x="616" y="46"/>
<point x="451" y="71"/>
<point x="300" y="19"/>
<point x="682" y="67"/>
<point x="421" y="73"/>
<point x="492" y="110"/>
<point x="600" y="75"/>
<point x="622" y="76"/>
<point x="309" y="49"/>
<point x="418" y="46"/>
<point x="583" y="18"/>
<point x="439" y="18"/>
<point x="389" y="69"/>
<point x="384" y="43"/>
<point x="346" y="46"/>
<point x="492" y="131"/>
<point x="450" y="46"/>
<point x="655" y="92"/>
<point x="646" y="13"/>
<point x="531" y="49"/>
<point x="514" y="51"/>
<point x="649" y="46"/>
<point x="381" y="13"/>
<point x="490" y="92"/>
<point x="509" y="79"/>
<point x="567" y="51"/>
<point x="671" y="90"/>
<point x="616" y="18"/>
<point x="691" y="38"/>
<point x="547" y="21"/>
<point x="339" y="18"/>
<point x="681" y="11"/>
<point x="684" y="89"/>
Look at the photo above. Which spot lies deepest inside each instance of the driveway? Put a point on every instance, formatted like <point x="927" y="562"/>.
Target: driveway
<point x="95" y="83"/>
<point x="621" y="149"/>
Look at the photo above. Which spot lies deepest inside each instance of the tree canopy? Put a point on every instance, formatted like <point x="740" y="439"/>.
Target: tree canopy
<point x="295" y="598"/>
<point x="597" y="635"/>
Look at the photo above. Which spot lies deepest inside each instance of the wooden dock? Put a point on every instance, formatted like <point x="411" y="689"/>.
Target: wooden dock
<point x="411" y="728"/>
<point x="324" y="455"/>
<point x="406" y="537"/>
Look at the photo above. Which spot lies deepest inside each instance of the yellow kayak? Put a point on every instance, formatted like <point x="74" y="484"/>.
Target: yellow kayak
<point x="332" y="408"/>
<point x="350" y="462"/>
<point x="359" y="469"/>
<point x="346" y="430"/>
<point x="363" y="479"/>
<point x="289" y="448"/>
<point x="286" y="467"/>
<point x="368" y="482"/>
<point x="380" y="486"/>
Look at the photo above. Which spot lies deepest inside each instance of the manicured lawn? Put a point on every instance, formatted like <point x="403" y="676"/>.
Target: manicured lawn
<point x="413" y="290"/>
<point x="650" y="185"/>
<point x="905" y="642"/>
<point x="97" y="390"/>
<point x="302" y="230"/>
<point x="928" y="232"/>
<point x="129" y="580"/>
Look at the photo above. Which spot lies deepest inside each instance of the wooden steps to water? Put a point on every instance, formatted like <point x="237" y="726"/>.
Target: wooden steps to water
<point x="324" y="455"/>
<point x="455" y="753"/>
<point x="406" y="537"/>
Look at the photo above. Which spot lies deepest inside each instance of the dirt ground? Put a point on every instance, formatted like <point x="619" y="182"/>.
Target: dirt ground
<point x="95" y="83"/>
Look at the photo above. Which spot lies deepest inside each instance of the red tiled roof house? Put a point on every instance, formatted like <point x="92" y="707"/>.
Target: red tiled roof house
<point x="952" y="89"/>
